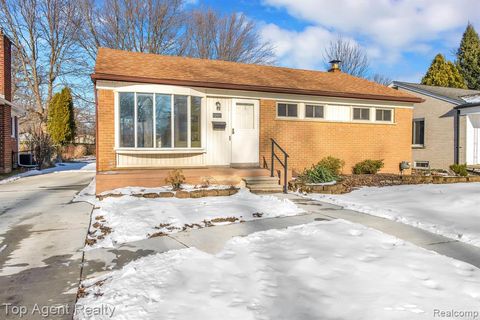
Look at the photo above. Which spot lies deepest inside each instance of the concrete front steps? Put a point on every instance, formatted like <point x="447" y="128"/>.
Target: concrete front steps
<point x="263" y="184"/>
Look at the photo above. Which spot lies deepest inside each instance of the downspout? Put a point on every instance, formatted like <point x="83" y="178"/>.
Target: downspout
<point x="457" y="137"/>
<point x="96" y="123"/>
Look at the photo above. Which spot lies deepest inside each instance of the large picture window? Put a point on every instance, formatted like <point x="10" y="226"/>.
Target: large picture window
<point x="196" y="123"/>
<point x="180" y="115"/>
<point x="149" y="120"/>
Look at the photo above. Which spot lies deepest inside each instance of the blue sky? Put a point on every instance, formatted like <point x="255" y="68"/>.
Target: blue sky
<point x="400" y="36"/>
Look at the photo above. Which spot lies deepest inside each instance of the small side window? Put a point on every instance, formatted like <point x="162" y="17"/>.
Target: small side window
<point x="418" y="134"/>
<point x="289" y="110"/>
<point x="361" y="114"/>
<point x="313" y="111"/>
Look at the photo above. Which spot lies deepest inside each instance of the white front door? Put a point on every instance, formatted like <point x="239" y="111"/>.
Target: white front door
<point x="245" y="132"/>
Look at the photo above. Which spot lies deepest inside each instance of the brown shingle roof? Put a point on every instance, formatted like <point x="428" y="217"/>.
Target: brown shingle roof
<point x="151" y="68"/>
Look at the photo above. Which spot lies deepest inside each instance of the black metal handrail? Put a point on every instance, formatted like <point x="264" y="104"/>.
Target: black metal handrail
<point x="284" y="164"/>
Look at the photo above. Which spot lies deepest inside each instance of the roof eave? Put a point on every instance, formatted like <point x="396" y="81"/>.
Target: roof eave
<point x="216" y="85"/>
<point x="467" y="105"/>
<point x="426" y="92"/>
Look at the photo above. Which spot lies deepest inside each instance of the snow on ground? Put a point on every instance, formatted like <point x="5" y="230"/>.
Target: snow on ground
<point x="129" y="218"/>
<point x="86" y="166"/>
<point x="322" y="270"/>
<point x="452" y="210"/>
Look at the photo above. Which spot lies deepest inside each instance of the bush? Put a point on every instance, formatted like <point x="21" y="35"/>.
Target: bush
<point x="368" y="167"/>
<point x="335" y="165"/>
<point x="317" y="174"/>
<point x="175" y="179"/>
<point x="459" y="169"/>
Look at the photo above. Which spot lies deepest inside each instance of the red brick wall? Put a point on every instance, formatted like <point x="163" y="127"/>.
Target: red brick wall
<point x="105" y="130"/>
<point x="7" y="144"/>
<point x="5" y="67"/>
<point x="309" y="141"/>
<point x="5" y="140"/>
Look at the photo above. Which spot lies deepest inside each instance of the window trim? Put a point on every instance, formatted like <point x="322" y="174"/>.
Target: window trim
<point x="156" y="149"/>
<point x="13" y="129"/>
<point x="287" y="116"/>
<point x="415" y="145"/>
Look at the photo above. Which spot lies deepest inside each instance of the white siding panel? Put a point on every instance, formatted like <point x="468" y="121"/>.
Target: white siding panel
<point x="160" y="160"/>
<point x="337" y="113"/>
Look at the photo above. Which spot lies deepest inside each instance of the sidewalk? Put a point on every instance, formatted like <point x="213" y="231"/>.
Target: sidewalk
<point x="213" y="239"/>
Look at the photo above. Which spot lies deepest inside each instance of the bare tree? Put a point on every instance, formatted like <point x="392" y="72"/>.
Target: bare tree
<point x="136" y="25"/>
<point x="42" y="33"/>
<point x="353" y="57"/>
<point x="381" y="79"/>
<point x="211" y="35"/>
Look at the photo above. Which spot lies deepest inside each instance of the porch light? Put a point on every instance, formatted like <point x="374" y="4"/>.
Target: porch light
<point x="219" y="106"/>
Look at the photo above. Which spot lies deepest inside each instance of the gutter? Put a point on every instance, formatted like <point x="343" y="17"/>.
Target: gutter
<point x="232" y="86"/>
<point x="467" y="105"/>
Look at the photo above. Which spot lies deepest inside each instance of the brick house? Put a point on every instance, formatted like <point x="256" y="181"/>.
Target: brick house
<point x="8" y="112"/>
<point x="160" y="112"/>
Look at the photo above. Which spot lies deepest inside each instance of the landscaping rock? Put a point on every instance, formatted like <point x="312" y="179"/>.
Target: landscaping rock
<point x="151" y="195"/>
<point x="210" y="193"/>
<point x="197" y="193"/>
<point x="182" y="194"/>
<point x="223" y="192"/>
<point x="166" y="194"/>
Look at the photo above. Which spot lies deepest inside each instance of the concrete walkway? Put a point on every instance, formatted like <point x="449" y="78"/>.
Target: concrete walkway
<point x="422" y="238"/>
<point x="213" y="239"/>
<point x="42" y="234"/>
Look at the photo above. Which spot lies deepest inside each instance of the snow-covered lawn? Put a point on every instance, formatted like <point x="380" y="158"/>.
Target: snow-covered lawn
<point x="452" y="210"/>
<point x="323" y="270"/>
<point x="86" y="166"/>
<point x="117" y="220"/>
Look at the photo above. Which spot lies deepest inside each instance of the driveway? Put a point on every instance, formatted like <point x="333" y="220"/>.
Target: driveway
<point x="42" y="233"/>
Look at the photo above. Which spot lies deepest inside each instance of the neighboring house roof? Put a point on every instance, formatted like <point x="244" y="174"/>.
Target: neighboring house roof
<point x="120" y="65"/>
<point x="452" y="95"/>
<point x="15" y="108"/>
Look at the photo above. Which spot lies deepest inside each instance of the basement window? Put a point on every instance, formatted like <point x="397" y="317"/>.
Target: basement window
<point x="421" y="165"/>
<point x="287" y="110"/>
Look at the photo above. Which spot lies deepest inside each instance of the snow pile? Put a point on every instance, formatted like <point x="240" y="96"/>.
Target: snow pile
<point x="59" y="167"/>
<point x="131" y="218"/>
<point x="323" y="270"/>
<point x="452" y="210"/>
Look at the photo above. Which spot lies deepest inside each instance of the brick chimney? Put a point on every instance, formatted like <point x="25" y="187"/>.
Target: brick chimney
<point x="8" y="145"/>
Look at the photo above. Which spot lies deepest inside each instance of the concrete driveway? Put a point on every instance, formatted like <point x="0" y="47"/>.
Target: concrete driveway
<point x="42" y="233"/>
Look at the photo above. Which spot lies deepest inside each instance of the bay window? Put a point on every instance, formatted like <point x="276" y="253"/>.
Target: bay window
<point x="164" y="121"/>
<point x="144" y="120"/>
<point x="127" y="120"/>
